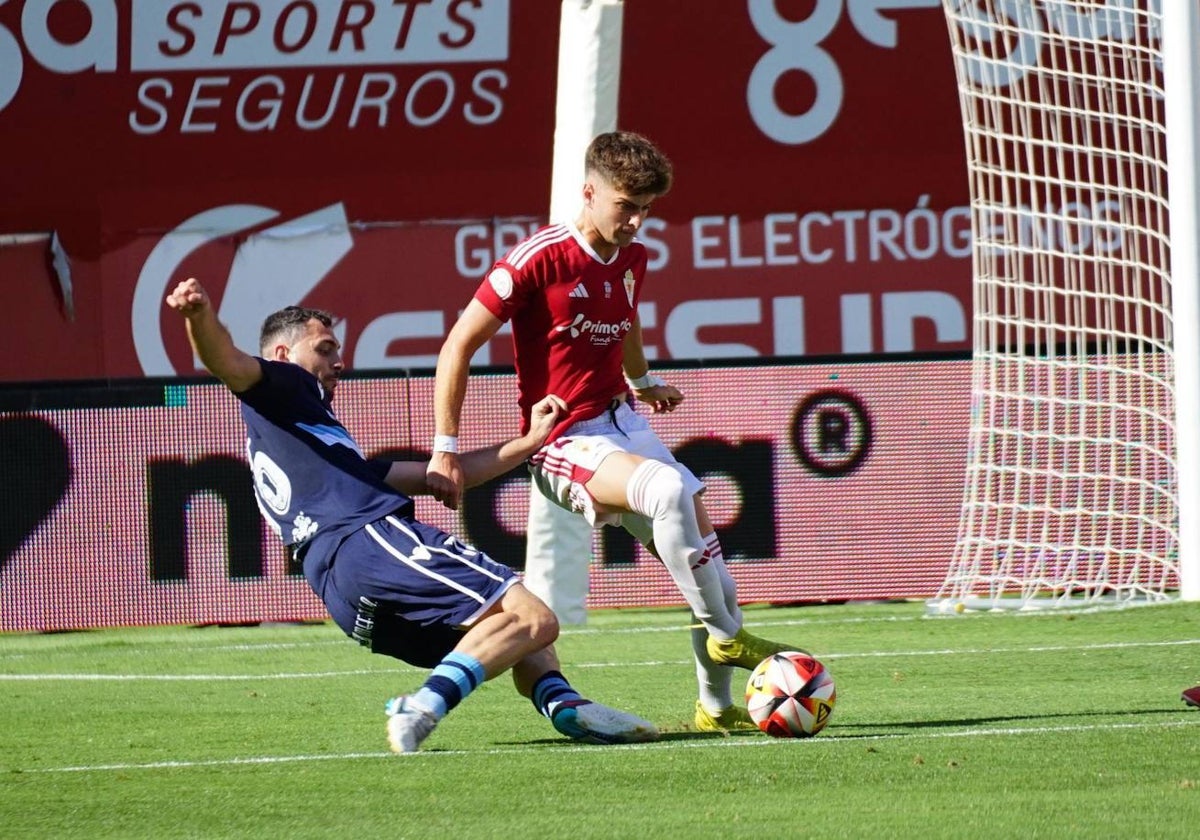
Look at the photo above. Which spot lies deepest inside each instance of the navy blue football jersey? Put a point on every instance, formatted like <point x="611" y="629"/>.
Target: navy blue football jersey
<point x="310" y="477"/>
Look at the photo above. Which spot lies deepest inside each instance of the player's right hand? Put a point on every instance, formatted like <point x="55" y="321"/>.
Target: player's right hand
<point x="661" y="397"/>
<point x="188" y="298"/>
<point x="543" y="417"/>
<point x="444" y="477"/>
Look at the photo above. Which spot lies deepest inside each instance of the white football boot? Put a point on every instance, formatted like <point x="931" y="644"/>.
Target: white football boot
<point x="407" y="725"/>
<point x="595" y="723"/>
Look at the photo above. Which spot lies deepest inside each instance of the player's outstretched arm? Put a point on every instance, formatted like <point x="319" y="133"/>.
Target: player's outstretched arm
<point x="211" y="340"/>
<point x="473" y="328"/>
<point x="482" y="465"/>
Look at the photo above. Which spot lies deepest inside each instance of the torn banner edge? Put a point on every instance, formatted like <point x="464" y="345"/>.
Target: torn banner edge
<point x="58" y="259"/>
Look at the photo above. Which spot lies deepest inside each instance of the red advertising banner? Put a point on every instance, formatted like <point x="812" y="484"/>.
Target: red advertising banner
<point x="373" y="157"/>
<point x="133" y="504"/>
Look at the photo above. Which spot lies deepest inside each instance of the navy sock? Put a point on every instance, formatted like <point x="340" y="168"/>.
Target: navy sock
<point x="551" y="690"/>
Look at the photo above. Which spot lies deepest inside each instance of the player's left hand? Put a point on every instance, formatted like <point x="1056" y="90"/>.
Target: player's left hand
<point x="660" y="397"/>
<point x="444" y="478"/>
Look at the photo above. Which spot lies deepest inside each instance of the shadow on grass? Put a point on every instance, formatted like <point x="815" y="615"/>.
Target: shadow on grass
<point x="846" y="730"/>
<point x="688" y="735"/>
<point x="866" y="730"/>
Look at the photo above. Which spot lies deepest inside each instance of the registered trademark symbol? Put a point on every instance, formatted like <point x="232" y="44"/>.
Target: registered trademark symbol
<point x="831" y="432"/>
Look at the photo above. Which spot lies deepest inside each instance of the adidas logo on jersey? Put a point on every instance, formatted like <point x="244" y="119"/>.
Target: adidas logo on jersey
<point x="578" y="292"/>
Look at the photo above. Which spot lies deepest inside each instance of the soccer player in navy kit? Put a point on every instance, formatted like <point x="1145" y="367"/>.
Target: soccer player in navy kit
<point x="399" y="586"/>
<point x="571" y="293"/>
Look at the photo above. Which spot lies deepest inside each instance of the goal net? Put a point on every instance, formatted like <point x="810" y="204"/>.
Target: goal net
<point x="1071" y="486"/>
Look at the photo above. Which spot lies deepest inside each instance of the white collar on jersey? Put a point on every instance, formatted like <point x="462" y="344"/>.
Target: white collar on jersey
<point x="583" y="243"/>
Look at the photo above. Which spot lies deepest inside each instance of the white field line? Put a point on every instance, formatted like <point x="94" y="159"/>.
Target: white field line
<point x="579" y="630"/>
<point x="175" y="647"/>
<point x="307" y="675"/>
<point x="571" y="630"/>
<point x="708" y="743"/>
<point x="358" y="672"/>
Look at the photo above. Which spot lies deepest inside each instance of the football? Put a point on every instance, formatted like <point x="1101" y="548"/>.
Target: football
<point x="790" y="695"/>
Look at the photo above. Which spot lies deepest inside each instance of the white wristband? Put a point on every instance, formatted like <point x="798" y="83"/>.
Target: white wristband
<point x="649" y="380"/>
<point x="445" y="443"/>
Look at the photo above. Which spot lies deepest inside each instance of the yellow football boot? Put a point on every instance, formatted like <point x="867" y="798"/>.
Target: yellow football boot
<point x="732" y="719"/>
<point x="743" y="650"/>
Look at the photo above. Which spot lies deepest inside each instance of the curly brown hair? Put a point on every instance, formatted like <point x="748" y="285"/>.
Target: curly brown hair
<point x="629" y="162"/>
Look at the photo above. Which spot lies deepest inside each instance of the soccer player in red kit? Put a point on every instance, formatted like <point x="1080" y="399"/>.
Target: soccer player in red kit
<point x="571" y="292"/>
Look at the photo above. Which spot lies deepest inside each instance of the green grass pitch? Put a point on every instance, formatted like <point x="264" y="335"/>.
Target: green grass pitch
<point x="1065" y="725"/>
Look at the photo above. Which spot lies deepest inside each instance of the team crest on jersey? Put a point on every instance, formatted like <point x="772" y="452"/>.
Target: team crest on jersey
<point x="303" y="527"/>
<point x="629" y="284"/>
<point x="501" y="282"/>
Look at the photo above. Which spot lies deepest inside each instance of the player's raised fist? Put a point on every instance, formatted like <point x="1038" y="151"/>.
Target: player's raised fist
<point x="189" y="297"/>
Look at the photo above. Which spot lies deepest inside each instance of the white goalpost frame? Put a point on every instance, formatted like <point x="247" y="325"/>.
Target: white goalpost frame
<point x="558" y="546"/>
<point x="1181" y="68"/>
<point x="1086" y="372"/>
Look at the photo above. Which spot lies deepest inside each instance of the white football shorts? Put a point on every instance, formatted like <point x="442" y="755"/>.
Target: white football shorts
<point x="562" y="467"/>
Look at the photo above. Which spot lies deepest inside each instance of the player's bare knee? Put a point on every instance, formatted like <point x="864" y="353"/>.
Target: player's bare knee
<point x="538" y="622"/>
<point x="530" y="617"/>
<point x="545" y="625"/>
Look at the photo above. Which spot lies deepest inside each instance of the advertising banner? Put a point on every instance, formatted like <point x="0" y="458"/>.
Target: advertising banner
<point x="134" y="505"/>
<point x="373" y="157"/>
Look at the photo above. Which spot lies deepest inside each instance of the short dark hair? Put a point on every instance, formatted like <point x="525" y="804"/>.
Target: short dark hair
<point x="629" y="162"/>
<point x="288" y="324"/>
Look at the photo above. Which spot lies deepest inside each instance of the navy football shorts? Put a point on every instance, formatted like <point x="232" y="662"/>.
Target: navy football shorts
<point x="406" y="589"/>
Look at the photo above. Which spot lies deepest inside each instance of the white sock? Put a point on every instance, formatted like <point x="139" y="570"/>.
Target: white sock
<point x="656" y="490"/>
<point x="728" y="586"/>
<point x="715" y="682"/>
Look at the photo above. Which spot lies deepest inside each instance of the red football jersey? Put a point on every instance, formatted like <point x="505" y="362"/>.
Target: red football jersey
<point x="570" y="312"/>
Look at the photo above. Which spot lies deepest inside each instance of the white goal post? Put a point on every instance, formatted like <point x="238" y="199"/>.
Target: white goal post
<point x="1085" y="386"/>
